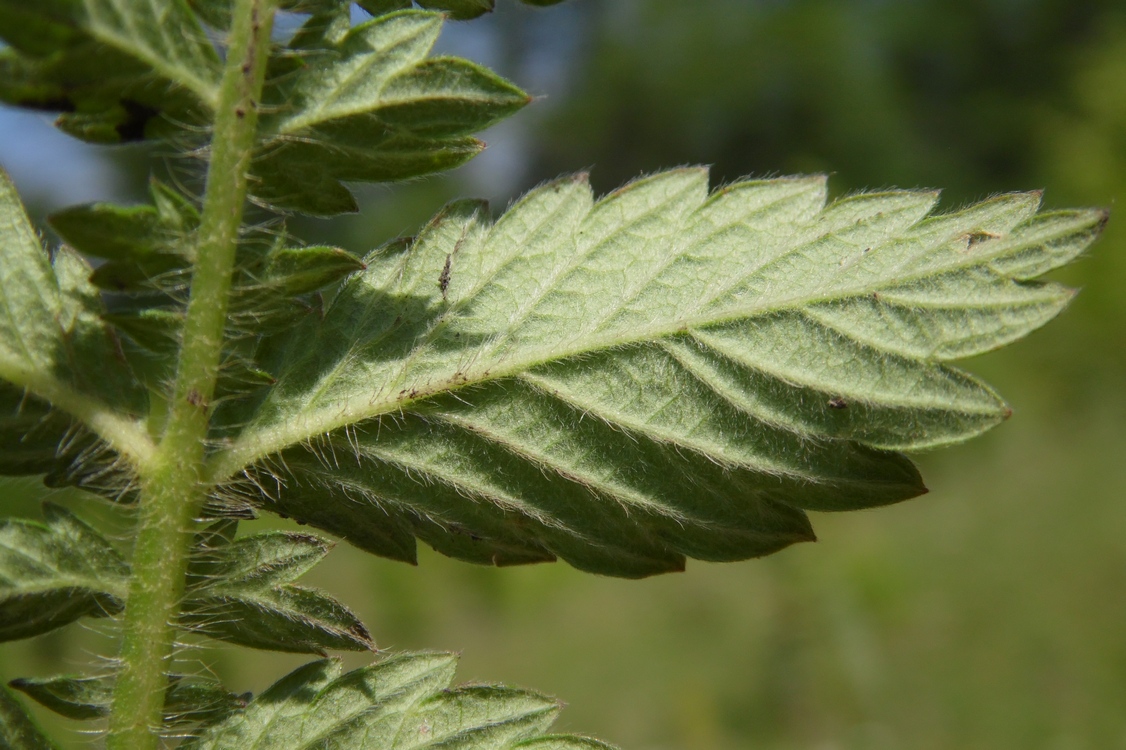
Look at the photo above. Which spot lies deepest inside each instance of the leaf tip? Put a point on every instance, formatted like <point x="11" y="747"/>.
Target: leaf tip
<point x="1102" y="217"/>
<point x="359" y="632"/>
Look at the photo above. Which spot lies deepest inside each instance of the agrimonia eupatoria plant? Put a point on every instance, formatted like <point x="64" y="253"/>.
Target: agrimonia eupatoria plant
<point x="621" y="383"/>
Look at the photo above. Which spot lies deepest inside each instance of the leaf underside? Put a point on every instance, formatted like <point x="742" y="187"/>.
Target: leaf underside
<point x="55" y="573"/>
<point x="404" y="701"/>
<point x="660" y="374"/>
<point x="242" y="591"/>
<point x="238" y="590"/>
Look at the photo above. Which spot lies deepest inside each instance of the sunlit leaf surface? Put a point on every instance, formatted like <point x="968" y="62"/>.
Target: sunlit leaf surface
<point x="660" y="374"/>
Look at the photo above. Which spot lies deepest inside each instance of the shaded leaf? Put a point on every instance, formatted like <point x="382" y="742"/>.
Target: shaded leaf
<point x="364" y="103"/>
<point x="17" y="730"/>
<point x="657" y="375"/>
<point x="36" y="439"/>
<point x="300" y="270"/>
<point x="187" y="700"/>
<point x="118" y="70"/>
<point x="54" y="573"/>
<point x="403" y="702"/>
<point x="240" y="590"/>
<point x="78" y="698"/>
<point x="155" y="329"/>
<point x="132" y="233"/>
<point x="147" y="247"/>
<point x="108" y="231"/>
<point x="305" y="176"/>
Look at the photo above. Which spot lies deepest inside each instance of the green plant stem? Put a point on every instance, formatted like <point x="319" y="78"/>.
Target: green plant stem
<point x="173" y="489"/>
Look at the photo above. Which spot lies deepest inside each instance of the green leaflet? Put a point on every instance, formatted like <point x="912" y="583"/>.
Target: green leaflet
<point x="238" y="590"/>
<point x="301" y="270"/>
<point x="401" y="702"/>
<point x="659" y="374"/>
<point x="133" y="234"/>
<point x="55" y="573"/>
<point x="241" y="591"/>
<point x="187" y="701"/>
<point x="17" y="730"/>
<point x="365" y="104"/>
<point x="147" y="247"/>
<point x="119" y="70"/>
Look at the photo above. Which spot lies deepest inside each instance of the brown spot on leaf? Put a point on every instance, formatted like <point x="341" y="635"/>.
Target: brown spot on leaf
<point x="444" y="277"/>
<point x="974" y="238"/>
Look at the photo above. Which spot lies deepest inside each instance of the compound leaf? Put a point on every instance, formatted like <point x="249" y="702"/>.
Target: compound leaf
<point x="658" y="374"/>
<point x="17" y="730"/>
<point x="241" y="591"/>
<point x="401" y="702"/>
<point x="55" y="573"/>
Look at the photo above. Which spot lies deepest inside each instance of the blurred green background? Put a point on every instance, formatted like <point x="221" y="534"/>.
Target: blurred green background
<point x="990" y="613"/>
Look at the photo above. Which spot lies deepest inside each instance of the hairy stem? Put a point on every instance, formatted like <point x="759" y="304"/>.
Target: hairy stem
<point x="173" y="488"/>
